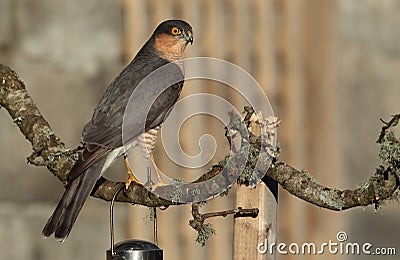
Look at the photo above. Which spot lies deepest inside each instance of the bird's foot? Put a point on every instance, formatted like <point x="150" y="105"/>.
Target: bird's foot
<point x="160" y="181"/>
<point x="131" y="176"/>
<point x="150" y="184"/>
<point x="158" y="184"/>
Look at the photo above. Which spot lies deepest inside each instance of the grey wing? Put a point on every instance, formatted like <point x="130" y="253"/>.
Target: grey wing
<point x="147" y="110"/>
<point x="105" y="126"/>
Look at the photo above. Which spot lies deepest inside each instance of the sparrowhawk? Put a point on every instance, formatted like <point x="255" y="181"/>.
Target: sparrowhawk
<point x="102" y="135"/>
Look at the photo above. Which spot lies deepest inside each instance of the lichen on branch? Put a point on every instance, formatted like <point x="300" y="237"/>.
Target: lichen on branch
<point x="49" y="151"/>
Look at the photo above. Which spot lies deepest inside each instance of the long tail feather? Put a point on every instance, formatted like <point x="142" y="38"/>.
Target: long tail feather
<point x="63" y="218"/>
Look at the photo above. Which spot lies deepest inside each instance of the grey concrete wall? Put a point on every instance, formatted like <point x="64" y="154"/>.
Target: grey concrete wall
<point x="66" y="52"/>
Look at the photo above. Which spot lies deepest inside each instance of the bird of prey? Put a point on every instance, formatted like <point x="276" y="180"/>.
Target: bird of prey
<point x="102" y="135"/>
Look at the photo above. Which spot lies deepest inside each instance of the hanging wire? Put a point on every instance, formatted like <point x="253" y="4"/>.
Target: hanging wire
<point x="112" y="217"/>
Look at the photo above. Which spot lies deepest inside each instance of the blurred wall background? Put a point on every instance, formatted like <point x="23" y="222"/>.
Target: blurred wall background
<point x="329" y="68"/>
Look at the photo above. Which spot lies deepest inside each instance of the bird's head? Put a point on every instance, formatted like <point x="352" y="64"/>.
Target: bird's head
<point x="171" y="38"/>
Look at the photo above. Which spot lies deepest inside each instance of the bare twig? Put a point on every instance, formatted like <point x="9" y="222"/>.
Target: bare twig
<point x="205" y="230"/>
<point x="387" y="125"/>
<point x="239" y="212"/>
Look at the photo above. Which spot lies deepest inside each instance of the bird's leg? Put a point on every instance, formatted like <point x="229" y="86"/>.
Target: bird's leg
<point x="131" y="176"/>
<point x="160" y="181"/>
<point x="148" y="143"/>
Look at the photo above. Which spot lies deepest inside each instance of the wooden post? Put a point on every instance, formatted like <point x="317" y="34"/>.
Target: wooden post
<point x="250" y="232"/>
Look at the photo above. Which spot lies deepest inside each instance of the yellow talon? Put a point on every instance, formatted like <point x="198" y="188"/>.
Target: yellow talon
<point x="160" y="181"/>
<point x="131" y="176"/>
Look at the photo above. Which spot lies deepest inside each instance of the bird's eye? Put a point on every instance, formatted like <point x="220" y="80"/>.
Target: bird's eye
<point x="175" y="31"/>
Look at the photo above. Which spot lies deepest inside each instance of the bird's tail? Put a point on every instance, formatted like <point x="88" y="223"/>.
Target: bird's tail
<point x="63" y="218"/>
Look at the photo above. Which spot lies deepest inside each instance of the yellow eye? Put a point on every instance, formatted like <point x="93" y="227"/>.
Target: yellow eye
<point x="175" y="31"/>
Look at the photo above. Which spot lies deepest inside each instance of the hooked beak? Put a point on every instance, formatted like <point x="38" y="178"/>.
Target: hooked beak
<point x="188" y="36"/>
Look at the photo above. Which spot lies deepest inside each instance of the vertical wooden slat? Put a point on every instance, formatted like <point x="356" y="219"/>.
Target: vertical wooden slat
<point x="248" y="232"/>
<point x="245" y="229"/>
<point x="320" y="99"/>
<point x="263" y="46"/>
<point x="214" y="31"/>
<point x="285" y="79"/>
<point x="135" y="32"/>
<point x="291" y="111"/>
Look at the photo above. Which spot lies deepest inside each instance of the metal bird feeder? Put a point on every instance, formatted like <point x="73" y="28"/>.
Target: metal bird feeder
<point x="130" y="249"/>
<point x="135" y="250"/>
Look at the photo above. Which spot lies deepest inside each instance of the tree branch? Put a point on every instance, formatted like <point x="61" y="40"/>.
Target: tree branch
<point x="301" y="184"/>
<point x="49" y="151"/>
<point x="204" y="231"/>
